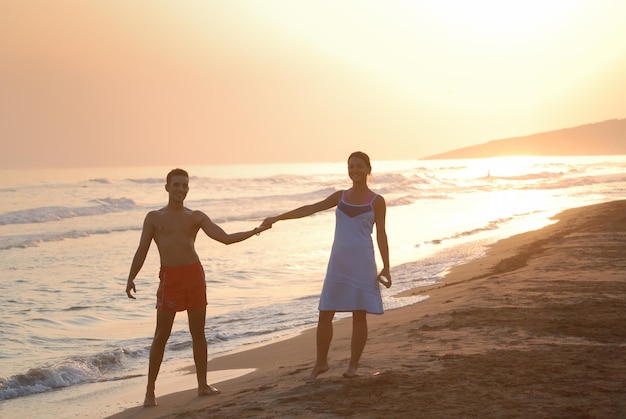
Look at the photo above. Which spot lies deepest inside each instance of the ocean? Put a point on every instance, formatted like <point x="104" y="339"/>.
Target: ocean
<point x="67" y="238"/>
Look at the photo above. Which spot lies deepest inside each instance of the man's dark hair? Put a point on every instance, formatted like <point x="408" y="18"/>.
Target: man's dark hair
<point x="175" y="172"/>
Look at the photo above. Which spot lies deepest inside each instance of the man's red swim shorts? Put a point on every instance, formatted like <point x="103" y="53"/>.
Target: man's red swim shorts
<point x="181" y="288"/>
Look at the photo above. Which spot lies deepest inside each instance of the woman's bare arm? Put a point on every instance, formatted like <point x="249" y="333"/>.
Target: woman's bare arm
<point x="380" y="210"/>
<point x="306" y="210"/>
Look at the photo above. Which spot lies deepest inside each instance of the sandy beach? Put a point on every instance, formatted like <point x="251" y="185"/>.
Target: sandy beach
<point x="536" y="329"/>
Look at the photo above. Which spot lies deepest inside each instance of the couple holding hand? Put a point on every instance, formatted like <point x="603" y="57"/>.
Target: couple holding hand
<point x="351" y="283"/>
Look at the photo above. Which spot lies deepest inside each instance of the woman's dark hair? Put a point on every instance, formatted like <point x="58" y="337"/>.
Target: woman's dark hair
<point x="361" y="155"/>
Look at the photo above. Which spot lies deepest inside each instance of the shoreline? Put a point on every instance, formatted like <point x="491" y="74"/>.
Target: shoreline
<point x="533" y="329"/>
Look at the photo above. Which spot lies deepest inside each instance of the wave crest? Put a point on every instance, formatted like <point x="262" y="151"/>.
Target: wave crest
<point x="56" y="213"/>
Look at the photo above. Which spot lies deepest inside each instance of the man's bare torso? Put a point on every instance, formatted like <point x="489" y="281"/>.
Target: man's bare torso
<point x="174" y="232"/>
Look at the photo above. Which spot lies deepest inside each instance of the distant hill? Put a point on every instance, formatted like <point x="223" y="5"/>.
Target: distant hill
<point x="601" y="138"/>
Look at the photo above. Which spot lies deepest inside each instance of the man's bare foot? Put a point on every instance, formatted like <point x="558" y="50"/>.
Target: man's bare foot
<point x="350" y="373"/>
<point x="150" y="400"/>
<point x="317" y="370"/>
<point x="208" y="391"/>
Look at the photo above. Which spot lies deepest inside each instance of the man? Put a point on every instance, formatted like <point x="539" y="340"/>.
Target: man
<point x="182" y="285"/>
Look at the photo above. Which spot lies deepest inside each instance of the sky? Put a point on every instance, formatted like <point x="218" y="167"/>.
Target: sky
<point x="88" y="83"/>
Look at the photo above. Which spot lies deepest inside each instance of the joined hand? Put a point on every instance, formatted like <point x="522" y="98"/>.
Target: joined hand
<point x="262" y="227"/>
<point x="267" y="223"/>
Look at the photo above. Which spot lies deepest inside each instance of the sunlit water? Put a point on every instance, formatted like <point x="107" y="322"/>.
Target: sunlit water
<point x="67" y="238"/>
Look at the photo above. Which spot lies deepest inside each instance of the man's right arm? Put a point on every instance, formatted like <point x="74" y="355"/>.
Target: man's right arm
<point x="147" y="234"/>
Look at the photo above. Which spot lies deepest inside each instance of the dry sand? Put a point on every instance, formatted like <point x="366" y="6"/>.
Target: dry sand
<point x="537" y="329"/>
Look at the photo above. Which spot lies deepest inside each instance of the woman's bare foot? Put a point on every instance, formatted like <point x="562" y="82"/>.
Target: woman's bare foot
<point x="350" y="373"/>
<point x="150" y="400"/>
<point x="208" y="391"/>
<point x="317" y="370"/>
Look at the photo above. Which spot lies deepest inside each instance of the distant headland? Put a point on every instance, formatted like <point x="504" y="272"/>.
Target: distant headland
<point x="596" y="139"/>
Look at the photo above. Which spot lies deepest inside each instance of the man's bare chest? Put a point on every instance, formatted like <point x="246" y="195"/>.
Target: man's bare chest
<point x="179" y="225"/>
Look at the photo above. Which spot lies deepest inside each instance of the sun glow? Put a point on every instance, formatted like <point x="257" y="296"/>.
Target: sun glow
<point x="498" y="20"/>
<point x="503" y="167"/>
<point x="512" y="166"/>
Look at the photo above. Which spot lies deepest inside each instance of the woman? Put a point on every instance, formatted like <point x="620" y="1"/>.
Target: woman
<point x="351" y="283"/>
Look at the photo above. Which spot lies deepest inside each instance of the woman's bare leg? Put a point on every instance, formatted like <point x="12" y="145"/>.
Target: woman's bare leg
<point x="324" y="337"/>
<point x="359" y="338"/>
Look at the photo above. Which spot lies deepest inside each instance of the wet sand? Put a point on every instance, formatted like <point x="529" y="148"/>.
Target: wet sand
<point x="536" y="329"/>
